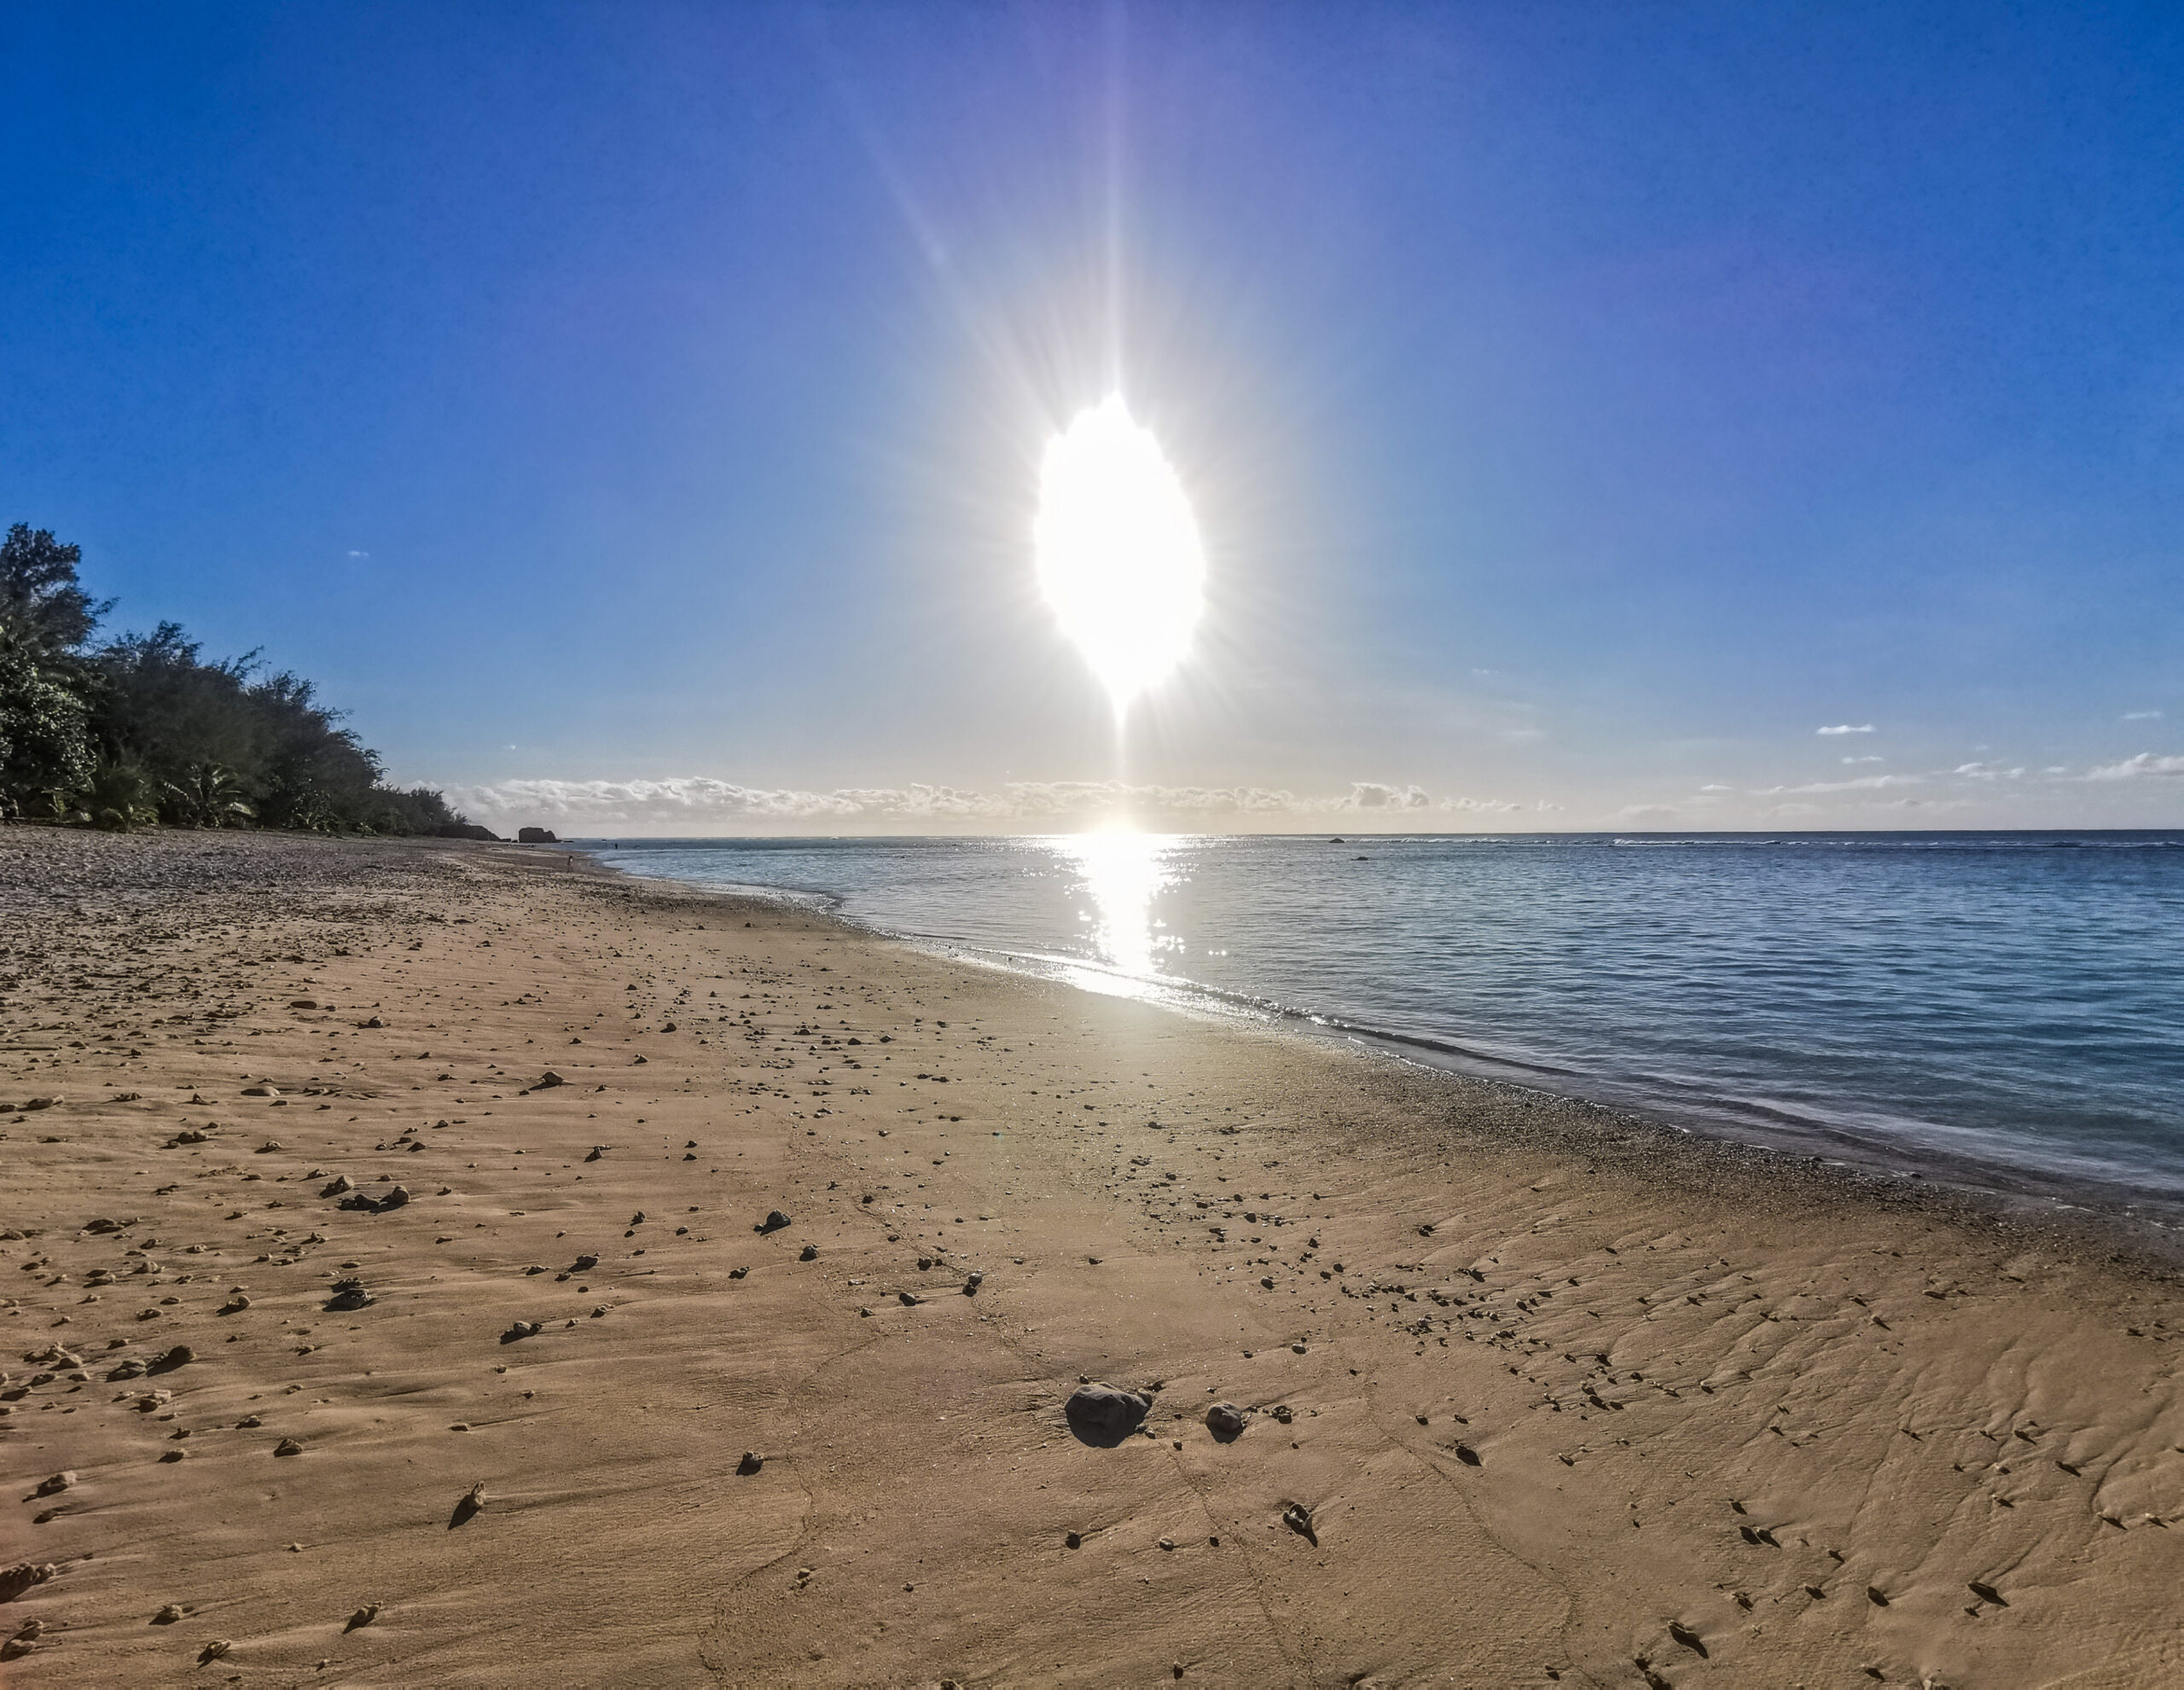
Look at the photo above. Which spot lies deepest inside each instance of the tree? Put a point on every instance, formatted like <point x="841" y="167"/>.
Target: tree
<point x="38" y="591"/>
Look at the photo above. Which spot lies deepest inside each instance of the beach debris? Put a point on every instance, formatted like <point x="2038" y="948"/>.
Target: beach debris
<point x="1102" y="1412"/>
<point x="1298" y="1518"/>
<point x="751" y="1462"/>
<point x="774" y="1221"/>
<point x="287" y="1446"/>
<point x="170" y="1615"/>
<point x="1986" y="1593"/>
<point x="349" y="1295"/>
<point x="468" y="1504"/>
<point x="1226" y="1422"/>
<point x="24" y="1576"/>
<point x="522" y="1329"/>
<point x="363" y="1616"/>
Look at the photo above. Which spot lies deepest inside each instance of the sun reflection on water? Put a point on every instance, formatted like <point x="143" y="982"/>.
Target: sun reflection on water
<point x="1120" y="873"/>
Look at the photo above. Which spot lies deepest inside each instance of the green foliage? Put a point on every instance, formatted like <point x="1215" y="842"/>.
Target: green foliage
<point x="46" y="749"/>
<point x="39" y="596"/>
<point x="118" y="797"/>
<point x="144" y="729"/>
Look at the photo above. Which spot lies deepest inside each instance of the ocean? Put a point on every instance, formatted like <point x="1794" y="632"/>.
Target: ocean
<point x="1999" y="1009"/>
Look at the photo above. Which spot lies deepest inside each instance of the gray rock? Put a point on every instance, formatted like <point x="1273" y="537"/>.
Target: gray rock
<point x="1105" y="1411"/>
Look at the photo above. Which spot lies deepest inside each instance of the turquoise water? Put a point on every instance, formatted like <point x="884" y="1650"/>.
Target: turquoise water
<point x="2005" y="1008"/>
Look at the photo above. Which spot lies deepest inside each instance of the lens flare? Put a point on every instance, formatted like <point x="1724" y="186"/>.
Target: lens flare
<point x="1118" y="550"/>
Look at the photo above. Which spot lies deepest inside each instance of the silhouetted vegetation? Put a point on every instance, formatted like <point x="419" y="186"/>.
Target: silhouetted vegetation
<point x="144" y="730"/>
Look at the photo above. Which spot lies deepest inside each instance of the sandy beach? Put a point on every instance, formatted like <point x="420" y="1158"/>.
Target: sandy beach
<point x="499" y="1375"/>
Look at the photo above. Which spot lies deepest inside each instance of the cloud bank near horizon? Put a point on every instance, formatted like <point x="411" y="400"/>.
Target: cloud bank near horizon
<point x="696" y="802"/>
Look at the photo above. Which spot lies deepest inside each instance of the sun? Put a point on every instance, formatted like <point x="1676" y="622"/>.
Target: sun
<point x="1117" y="549"/>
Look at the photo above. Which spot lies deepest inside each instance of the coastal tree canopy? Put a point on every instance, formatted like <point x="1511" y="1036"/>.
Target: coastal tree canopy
<point x="145" y="728"/>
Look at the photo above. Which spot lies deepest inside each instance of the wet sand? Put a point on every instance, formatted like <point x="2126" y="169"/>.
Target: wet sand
<point x="1529" y="1393"/>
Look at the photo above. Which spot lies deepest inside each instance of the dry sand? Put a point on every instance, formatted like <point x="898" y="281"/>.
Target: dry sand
<point x="1567" y="1398"/>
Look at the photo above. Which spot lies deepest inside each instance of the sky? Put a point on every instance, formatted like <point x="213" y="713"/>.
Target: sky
<point x="1601" y="416"/>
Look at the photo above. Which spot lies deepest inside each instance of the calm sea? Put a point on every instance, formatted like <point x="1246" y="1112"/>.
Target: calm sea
<point x="2008" y="1007"/>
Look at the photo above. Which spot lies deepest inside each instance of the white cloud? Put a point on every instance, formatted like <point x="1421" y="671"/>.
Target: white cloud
<point x="698" y="803"/>
<point x="1865" y="759"/>
<point x="1844" y="728"/>
<point x="1716" y="786"/>
<point x="359" y="554"/>
<point x="2133" y="768"/>
<point x="2142" y="715"/>
<point x="1862" y="783"/>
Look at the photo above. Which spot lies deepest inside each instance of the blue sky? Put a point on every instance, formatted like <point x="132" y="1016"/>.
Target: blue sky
<point x="632" y="413"/>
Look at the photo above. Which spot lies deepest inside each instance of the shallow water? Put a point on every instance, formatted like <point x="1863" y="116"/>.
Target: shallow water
<point x="2011" y="1002"/>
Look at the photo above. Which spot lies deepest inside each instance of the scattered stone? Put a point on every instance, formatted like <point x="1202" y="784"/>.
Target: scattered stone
<point x="1467" y="1455"/>
<point x="597" y="1151"/>
<point x="774" y="1221"/>
<point x="1298" y="1518"/>
<point x="737" y="1272"/>
<point x="547" y="1080"/>
<point x="910" y="1299"/>
<point x="971" y="1283"/>
<point x="213" y="1651"/>
<point x="261" y="1091"/>
<point x="363" y="1616"/>
<point x="53" y="1486"/>
<point x="583" y="1264"/>
<point x="809" y="1253"/>
<point x="1225" y="1420"/>
<point x="1074" y="1540"/>
<point x="751" y="1462"/>
<point x="468" y="1504"/>
<point x="170" y="1615"/>
<point x="521" y="1329"/>
<point x="1103" y="1411"/>
<point x="1690" y="1639"/>
<point x="24" y="1576"/>
<point x="287" y="1446"/>
<point x="349" y="1295"/>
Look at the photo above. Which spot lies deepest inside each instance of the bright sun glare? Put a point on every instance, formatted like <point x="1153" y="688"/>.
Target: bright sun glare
<point x="1117" y="549"/>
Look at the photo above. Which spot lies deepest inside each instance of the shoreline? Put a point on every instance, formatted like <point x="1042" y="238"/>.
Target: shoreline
<point x="2105" y="1213"/>
<point x="1563" y="1399"/>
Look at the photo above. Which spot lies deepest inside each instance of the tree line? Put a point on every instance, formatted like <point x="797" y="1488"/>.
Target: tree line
<point x="142" y="729"/>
